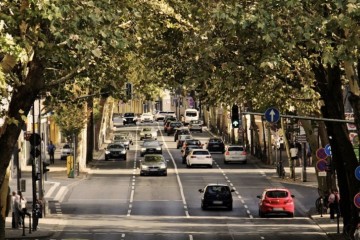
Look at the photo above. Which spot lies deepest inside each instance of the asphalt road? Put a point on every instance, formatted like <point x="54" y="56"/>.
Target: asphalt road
<point x="114" y="202"/>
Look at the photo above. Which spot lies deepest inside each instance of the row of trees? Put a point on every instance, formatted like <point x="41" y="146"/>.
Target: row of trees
<point x="289" y="54"/>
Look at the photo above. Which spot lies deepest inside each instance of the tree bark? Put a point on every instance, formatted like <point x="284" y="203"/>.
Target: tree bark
<point x="343" y="157"/>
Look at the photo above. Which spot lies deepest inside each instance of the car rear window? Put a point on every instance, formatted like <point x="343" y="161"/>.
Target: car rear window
<point x="176" y="124"/>
<point x="191" y="114"/>
<point x="153" y="158"/>
<point x="215" y="141"/>
<point x="116" y="146"/>
<point x="235" y="149"/>
<point x="193" y="142"/>
<point x="151" y="143"/>
<point x="217" y="189"/>
<point x="201" y="153"/>
<point x="277" y="194"/>
<point x="129" y="115"/>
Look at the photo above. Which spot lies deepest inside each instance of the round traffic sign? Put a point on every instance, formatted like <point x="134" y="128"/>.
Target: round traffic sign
<point x="357" y="173"/>
<point x="35" y="139"/>
<point x="321" y="165"/>
<point x="327" y="149"/>
<point x="357" y="200"/>
<point x="321" y="154"/>
<point x="272" y="115"/>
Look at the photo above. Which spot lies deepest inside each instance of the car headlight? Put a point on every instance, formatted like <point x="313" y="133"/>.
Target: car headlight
<point x="162" y="166"/>
<point x="123" y="152"/>
<point x="107" y="152"/>
<point x="143" y="149"/>
<point x="144" y="167"/>
<point x="158" y="148"/>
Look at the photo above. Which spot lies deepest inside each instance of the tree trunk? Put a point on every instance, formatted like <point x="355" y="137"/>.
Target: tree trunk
<point x="343" y="156"/>
<point x="90" y="131"/>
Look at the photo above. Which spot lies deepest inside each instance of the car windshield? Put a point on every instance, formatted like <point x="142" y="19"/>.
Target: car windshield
<point x="193" y="147"/>
<point x="116" y="146"/>
<point x="151" y="143"/>
<point x="201" y="153"/>
<point x="119" y="137"/>
<point x="153" y="158"/>
<point x="184" y="137"/>
<point x="194" y="122"/>
<point x="217" y="189"/>
<point x="193" y="142"/>
<point x="146" y="129"/>
<point x="191" y="114"/>
<point x="235" y="149"/>
<point x="129" y="115"/>
<point x="176" y="124"/>
<point x="66" y="146"/>
<point x="277" y="194"/>
<point x="215" y="141"/>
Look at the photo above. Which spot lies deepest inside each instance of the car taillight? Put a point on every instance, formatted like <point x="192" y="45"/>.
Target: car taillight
<point x="227" y="153"/>
<point x="192" y="157"/>
<point x="208" y="156"/>
<point x="288" y="201"/>
<point x="266" y="201"/>
<point x="243" y="153"/>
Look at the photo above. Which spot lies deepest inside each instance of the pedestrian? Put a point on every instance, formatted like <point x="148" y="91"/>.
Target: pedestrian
<point x="293" y="154"/>
<point x="51" y="150"/>
<point x="15" y="210"/>
<point x="333" y="203"/>
<point x="22" y="207"/>
<point x="299" y="147"/>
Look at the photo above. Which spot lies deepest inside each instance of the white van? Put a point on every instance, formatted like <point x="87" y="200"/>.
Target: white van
<point x="190" y="114"/>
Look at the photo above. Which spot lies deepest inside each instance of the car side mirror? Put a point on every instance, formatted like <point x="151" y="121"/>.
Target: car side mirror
<point x="258" y="196"/>
<point x="232" y="190"/>
<point x="201" y="190"/>
<point x="292" y="196"/>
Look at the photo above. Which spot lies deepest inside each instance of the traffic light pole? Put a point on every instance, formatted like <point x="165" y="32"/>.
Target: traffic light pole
<point x="33" y="168"/>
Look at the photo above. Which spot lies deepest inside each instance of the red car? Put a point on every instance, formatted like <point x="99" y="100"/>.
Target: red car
<point x="276" y="201"/>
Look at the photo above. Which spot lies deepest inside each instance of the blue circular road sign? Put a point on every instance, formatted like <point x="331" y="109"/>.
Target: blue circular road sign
<point x="357" y="173"/>
<point x="272" y="115"/>
<point x="328" y="149"/>
<point x="321" y="165"/>
<point x="357" y="200"/>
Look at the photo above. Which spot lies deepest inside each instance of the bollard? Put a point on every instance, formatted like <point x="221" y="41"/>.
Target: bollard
<point x="321" y="206"/>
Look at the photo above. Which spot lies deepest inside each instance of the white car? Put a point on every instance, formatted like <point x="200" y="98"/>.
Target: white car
<point x="147" y="117"/>
<point x="199" y="157"/>
<point x="148" y="133"/>
<point x="161" y="115"/>
<point x="66" y="151"/>
<point x="235" y="153"/>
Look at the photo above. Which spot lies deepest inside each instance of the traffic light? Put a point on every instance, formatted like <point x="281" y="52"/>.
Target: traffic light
<point x="129" y="90"/>
<point x="235" y="122"/>
<point x="45" y="165"/>
<point x="34" y="152"/>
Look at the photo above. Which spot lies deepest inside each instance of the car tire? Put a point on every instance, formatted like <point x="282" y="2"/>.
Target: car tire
<point x="226" y="162"/>
<point x="200" y="131"/>
<point x="141" y="174"/>
<point x="210" y="166"/>
<point x="245" y="162"/>
<point x="165" y="174"/>
<point x="106" y="159"/>
<point x="291" y="215"/>
<point x="230" y="207"/>
<point x="183" y="161"/>
<point x="261" y="214"/>
<point x="141" y="138"/>
<point x="141" y="155"/>
<point x="203" y="206"/>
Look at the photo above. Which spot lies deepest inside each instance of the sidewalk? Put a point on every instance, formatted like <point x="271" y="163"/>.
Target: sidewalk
<point x="47" y="225"/>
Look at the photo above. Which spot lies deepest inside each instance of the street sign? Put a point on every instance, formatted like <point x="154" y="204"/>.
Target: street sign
<point x="301" y="138"/>
<point x="357" y="200"/>
<point x="328" y="149"/>
<point x="321" y="165"/>
<point x="272" y="115"/>
<point x="235" y="124"/>
<point x="357" y="173"/>
<point x="320" y="153"/>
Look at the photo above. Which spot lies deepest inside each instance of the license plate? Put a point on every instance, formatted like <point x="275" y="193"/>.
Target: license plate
<point x="217" y="202"/>
<point x="153" y="170"/>
<point x="277" y="209"/>
<point x="215" y="145"/>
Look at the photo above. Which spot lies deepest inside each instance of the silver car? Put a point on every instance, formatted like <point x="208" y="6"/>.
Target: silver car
<point x="148" y="133"/>
<point x="195" y="125"/>
<point x="153" y="164"/>
<point x="122" y="139"/>
<point x="235" y="153"/>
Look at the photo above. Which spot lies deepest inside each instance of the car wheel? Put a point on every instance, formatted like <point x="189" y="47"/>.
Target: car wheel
<point x="230" y="207"/>
<point x="165" y="173"/>
<point x="141" y="138"/>
<point x="203" y="206"/>
<point x="124" y="158"/>
<point x="291" y="215"/>
<point x="141" y="155"/>
<point x="183" y="160"/>
<point x="226" y="162"/>
<point x="200" y="131"/>
<point x="106" y="159"/>
<point x="210" y="166"/>
<point x="261" y="214"/>
<point x="188" y="165"/>
<point x="245" y="162"/>
<point x="141" y="174"/>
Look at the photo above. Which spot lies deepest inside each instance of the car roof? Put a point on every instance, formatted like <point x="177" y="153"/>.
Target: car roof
<point x="217" y="184"/>
<point x="198" y="150"/>
<point x="276" y="189"/>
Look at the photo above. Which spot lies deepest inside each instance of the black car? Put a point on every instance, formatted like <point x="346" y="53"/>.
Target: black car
<point x="216" y="195"/>
<point x="216" y="145"/>
<point x="150" y="146"/>
<point x="181" y="131"/>
<point x="115" y="151"/>
<point x="172" y="127"/>
<point x="188" y="148"/>
<point x="129" y="118"/>
<point x="169" y="118"/>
